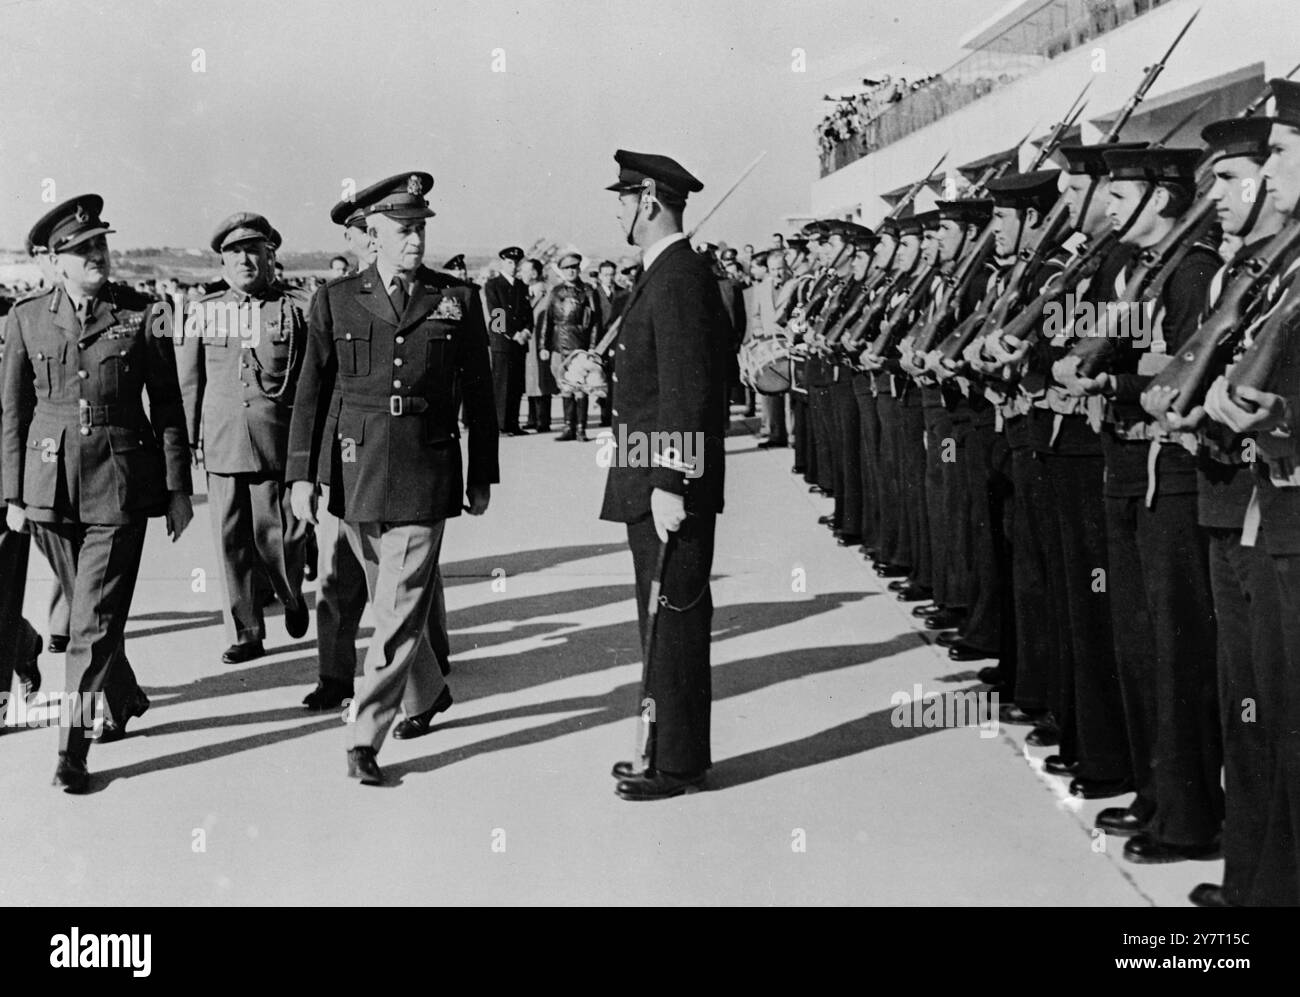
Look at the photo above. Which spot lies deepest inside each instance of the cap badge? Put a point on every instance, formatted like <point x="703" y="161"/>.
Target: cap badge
<point x="413" y="186"/>
<point x="81" y="216"/>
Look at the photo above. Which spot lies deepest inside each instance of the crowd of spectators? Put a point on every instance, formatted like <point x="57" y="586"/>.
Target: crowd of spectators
<point x="853" y="114"/>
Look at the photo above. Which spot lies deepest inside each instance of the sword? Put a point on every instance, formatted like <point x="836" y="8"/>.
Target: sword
<point x="645" y="720"/>
<point x="722" y="200"/>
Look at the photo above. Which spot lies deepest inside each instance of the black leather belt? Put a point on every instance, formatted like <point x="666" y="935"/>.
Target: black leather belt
<point x="395" y="405"/>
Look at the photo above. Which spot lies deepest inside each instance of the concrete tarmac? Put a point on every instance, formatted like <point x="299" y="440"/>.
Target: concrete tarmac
<point x="228" y="792"/>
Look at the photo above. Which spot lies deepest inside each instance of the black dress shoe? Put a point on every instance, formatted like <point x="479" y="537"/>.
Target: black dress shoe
<point x="58" y="643"/>
<point x="362" y="765"/>
<point x="518" y="432"/>
<point x="329" y="694"/>
<point x="115" y="730"/>
<point x="568" y="436"/>
<point x="1044" y="736"/>
<point x="891" y="571"/>
<point x="1119" y="820"/>
<point x="71" y="775"/>
<point x="915" y="593"/>
<point x="1057" y="765"/>
<point x="847" y="539"/>
<point x="961" y="651"/>
<point x="1145" y="850"/>
<point x="237" y="654"/>
<point x="770" y="444"/>
<point x="27" y="669"/>
<point x="297" y="619"/>
<point x="658" y="786"/>
<point x="418" y="725"/>
<point x="898" y="584"/>
<point x="989" y="674"/>
<point x="1099" y="789"/>
<point x="625" y="770"/>
<point x="871" y="552"/>
<point x="1010" y="713"/>
<point x="944" y="619"/>
<point x="1209" y="895"/>
<point x="816" y="490"/>
<point x="826" y="520"/>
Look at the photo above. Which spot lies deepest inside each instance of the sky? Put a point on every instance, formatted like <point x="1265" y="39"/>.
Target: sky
<point x="180" y="113"/>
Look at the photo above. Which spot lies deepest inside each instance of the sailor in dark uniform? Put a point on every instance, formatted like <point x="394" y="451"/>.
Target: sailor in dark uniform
<point x="671" y="393"/>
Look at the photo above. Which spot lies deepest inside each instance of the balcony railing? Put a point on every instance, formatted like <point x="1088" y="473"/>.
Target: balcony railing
<point x="1044" y="33"/>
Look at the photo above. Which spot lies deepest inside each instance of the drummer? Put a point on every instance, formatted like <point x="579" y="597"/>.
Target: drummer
<point x="768" y="271"/>
<point x="568" y="324"/>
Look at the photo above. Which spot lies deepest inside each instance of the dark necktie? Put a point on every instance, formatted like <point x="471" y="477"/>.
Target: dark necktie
<point x="398" y="295"/>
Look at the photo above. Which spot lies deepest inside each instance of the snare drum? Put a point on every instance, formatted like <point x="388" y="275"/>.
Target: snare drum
<point x="583" y="374"/>
<point x="767" y="365"/>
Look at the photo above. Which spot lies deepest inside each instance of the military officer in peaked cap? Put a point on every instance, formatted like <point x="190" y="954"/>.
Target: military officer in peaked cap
<point x="510" y="319"/>
<point x="341" y="596"/>
<point x="238" y="366"/>
<point x="456" y="267"/>
<point x="82" y="460"/>
<point x="398" y="338"/>
<point x="672" y="391"/>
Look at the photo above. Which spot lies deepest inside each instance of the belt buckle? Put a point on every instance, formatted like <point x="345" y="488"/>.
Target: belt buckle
<point x="395" y="406"/>
<point x="83" y="413"/>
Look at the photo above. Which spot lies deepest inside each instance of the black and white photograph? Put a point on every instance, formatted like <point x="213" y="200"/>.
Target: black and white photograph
<point x="924" y="528"/>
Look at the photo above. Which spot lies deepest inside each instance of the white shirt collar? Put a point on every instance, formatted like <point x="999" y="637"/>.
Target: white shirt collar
<point x="654" y="252"/>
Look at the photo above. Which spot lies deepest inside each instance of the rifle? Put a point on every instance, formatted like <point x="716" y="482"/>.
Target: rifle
<point x="1207" y="352"/>
<point x="891" y="326"/>
<point x="938" y="322"/>
<point x="1256" y="366"/>
<point x="787" y="307"/>
<point x="1157" y="264"/>
<point x="1057" y="216"/>
<point x="951" y="347"/>
<point x="1152" y="73"/>
<point x="1026" y="326"/>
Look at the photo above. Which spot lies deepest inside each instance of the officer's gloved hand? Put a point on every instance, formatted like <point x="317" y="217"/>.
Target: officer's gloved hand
<point x="179" y="514"/>
<point x="302" y="500"/>
<point x="669" y="511"/>
<point x="15" y="517"/>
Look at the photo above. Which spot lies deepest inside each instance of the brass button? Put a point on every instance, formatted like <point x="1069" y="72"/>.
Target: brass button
<point x="82" y="374"/>
<point x="245" y="404"/>
<point x="348" y="336"/>
<point x="397" y="362"/>
<point x="400" y="340"/>
<point x="615" y="412"/>
<point x="85" y="430"/>
<point x="615" y="376"/>
<point x="397" y="384"/>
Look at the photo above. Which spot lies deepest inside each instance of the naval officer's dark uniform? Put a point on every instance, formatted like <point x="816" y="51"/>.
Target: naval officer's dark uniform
<point x="672" y="379"/>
